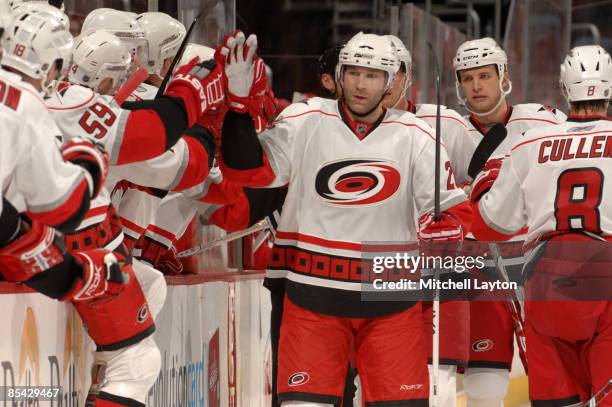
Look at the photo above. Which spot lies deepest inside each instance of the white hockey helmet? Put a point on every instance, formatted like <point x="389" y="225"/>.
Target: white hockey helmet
<point x="124" y="25"/>
<point x="97" y="56"/>
<point x="479" y="53"/>
<point x="476" y="54"/>
<point x="586" y="74"/>
<point x="404" y="56"/>
<point x="196" y="50"/>
<point x="34" y="41"/>
<point x="164" y="35"/>
<point x="370" y="51"/>
<point x="43" y="7"/>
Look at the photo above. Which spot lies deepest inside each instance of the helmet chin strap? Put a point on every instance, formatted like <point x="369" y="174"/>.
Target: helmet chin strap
<point x="403" y="94"/>
<point x="502" y="96"/>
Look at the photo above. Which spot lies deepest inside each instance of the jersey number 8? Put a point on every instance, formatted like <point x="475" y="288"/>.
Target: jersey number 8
<point x="97" y="127"/>
<point x="579" y="194"/>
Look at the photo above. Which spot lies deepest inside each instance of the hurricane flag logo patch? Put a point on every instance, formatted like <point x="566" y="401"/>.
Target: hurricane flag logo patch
<point x="357" y="182"/>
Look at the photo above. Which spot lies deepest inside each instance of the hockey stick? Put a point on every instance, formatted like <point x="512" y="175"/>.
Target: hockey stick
<point x="600" y="396"/>
<point x="515" y="310"/>
<point x="435" y="354"/>
<point x="134" y="81"/>
<point x="179" y="54"/>
<point x="261" y="225"/>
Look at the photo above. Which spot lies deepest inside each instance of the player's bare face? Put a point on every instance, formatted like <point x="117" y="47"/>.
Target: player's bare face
<point x="363" y="88"/>
<point x="481" y="87"/>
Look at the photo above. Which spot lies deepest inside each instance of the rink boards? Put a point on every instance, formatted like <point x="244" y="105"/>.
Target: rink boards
<point x="213" y="335"/>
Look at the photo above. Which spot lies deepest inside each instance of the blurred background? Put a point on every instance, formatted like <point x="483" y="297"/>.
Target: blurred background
<point x="293" y="33"/>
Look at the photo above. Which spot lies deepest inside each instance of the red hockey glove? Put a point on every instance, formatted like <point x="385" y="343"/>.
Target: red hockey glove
<point x="169" y="264"/>
<point x="159" y="256"/>
<point x="102" y="276"/>
<point x="90" y="156"/>
<point x="446" y="229"/>
<point x="485" y="179"/>
<point x="440" y="237"/>
<point x="38" y="249"/>
<point x="200" y="86"/>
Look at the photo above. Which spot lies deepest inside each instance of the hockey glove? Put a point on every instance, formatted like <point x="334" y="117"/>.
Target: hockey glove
<point x="39" y="248"/>
<point x="247" y="83"/>
<point x="102" y="276"/>
<point x="441" y="237"/>
<point x="447" y="228"/>
<point x="159" y="256"/>
<point x="484" y="181"/>
<point x="200" y="86"/>
<point x="90" y="156"/>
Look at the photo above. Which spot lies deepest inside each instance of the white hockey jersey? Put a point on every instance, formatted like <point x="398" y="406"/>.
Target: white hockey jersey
<point x="128" y="136"/>
<point x="33" y="175"/>
<point x="349" y="183"/>
<point x="455" y="136"/>
<point x="554" y="180"/>
<point x="182" y="166"/>
<point x="518" y="119"/>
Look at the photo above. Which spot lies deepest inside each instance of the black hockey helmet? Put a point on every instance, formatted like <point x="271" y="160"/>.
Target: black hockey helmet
<point x="328" y="61"/>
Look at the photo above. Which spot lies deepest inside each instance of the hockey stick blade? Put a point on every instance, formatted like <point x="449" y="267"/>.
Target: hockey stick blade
<point x="134" y="81"/>
<point x="600" y="396"/>
<point x="179" y="54"/>
<point x="261" y="225"/>
<point x="494" y="137"/>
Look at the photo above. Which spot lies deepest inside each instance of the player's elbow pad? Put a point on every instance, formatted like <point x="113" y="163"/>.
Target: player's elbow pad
<point x="240" y="147"/>
<point x="171" y="112"/>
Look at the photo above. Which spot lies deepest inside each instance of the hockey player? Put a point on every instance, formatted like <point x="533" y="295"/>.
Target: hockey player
<point x="322" y="309"/>
<point x="69" y="188"/>
<point x="482" y="85"/>
<point x="95" y="282"/>
<point x="124" y="25"/>
<point x="553" y="183"/>
<point x="16" y="43"/>
<point x="458" y="143"/>
<point x="79" y="110"/>
<point x="164" y="35"/>
<point x="144" y="184"/>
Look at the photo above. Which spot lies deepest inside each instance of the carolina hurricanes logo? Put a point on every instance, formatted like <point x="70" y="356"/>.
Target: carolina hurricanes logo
<point x="482" y="345"/>
<point x="357" y="182"/>
<point x="298" y="379"/>
<point x="143" y="314"/>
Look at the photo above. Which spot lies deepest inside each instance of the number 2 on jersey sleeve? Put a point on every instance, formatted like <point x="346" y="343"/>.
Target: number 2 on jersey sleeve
<point x="97" y="127"/>
<point x="579" y="194"/>
<point x="451" y="176"/>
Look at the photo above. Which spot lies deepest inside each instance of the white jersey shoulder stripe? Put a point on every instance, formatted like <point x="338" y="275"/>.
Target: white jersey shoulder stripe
<point x="408" y="125"/>
<point x="91" y="96"/>
<point x="531" y="119"/>
<point x="558" y="135"/>
<point x="443" y="117"/>
<point x="309" y="111"/>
